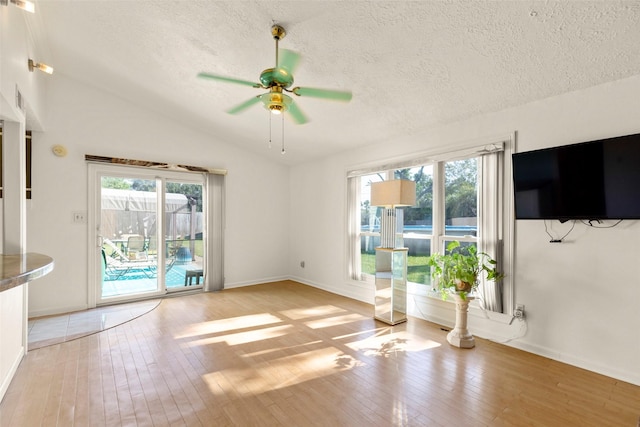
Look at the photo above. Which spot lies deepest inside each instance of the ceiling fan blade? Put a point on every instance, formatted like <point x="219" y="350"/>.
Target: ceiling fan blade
<point x="228" y="79"/>
<point x="239" y="108"/>
<point x="288" y="60"/>
<point x="335" y="95"/>
<point x="297" y="114"/>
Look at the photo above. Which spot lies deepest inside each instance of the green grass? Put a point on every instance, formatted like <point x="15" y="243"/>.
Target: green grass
<point x="368" y="263"/>
<point x="417" y="270"/>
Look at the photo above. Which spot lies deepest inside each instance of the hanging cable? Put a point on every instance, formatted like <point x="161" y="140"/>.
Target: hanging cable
<point x="591" y="221"/>
<point x="556" y="240"/>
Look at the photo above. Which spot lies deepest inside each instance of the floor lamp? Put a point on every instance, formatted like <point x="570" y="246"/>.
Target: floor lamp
<point x="391" y="255"/>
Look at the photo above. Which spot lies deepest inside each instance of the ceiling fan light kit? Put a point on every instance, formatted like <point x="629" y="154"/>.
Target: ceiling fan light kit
<point x="278" y="80"/>
<point x="276" y="101"/>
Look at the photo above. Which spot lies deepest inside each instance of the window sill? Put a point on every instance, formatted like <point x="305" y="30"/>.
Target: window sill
<point x="434" y="297"/>
<point x="424" y="294"/>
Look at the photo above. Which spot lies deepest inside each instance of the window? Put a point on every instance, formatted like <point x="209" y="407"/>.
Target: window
<point x="458" y="197"/>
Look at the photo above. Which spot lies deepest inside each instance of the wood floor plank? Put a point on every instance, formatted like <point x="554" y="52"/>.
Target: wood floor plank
<point x="286" y="354"/>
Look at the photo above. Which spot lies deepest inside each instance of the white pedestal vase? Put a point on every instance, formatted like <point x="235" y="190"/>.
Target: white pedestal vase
<point x="460" y="335"/>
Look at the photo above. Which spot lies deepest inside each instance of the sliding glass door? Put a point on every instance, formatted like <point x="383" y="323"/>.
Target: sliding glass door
<point x="183" y="237"/>
<point x="150" y="228"/>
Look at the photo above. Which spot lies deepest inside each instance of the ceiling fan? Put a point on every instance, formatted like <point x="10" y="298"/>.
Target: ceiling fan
<point x="279" y="80"/>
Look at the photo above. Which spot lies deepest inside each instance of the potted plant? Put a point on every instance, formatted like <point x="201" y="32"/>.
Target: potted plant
<point x="456" y="273"/>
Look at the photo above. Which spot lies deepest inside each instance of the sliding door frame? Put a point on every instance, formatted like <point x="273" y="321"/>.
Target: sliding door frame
<point x="95" y="172"/>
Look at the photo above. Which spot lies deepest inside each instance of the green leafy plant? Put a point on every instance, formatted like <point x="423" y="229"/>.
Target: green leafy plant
<point x="457" y="271"/>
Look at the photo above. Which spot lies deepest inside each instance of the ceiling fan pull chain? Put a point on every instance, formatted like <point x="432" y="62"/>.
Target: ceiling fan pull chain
<point x="282" y="134"/>
<point x="269" y="130"/>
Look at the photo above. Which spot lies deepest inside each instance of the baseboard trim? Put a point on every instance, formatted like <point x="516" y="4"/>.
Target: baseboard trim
<point x="255" y="282"/>
<point x="58" y="310"/>
<point x="354" y="290"/>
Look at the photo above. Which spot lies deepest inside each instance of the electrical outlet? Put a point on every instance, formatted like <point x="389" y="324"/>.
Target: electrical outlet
<point x="302" y="264"/>
<point x="519" y="311"/>
<point x="79" y="217"/>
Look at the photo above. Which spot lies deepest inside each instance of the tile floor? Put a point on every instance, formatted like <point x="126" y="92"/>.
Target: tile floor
<point x="45" y="331"/>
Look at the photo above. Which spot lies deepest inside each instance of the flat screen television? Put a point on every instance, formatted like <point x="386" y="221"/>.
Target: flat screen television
<point x="589" y="181"/>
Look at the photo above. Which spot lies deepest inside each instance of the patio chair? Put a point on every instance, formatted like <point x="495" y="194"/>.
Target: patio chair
<point x="113" y="268"/>
<point x="152" y="252"/>
<point x="117" y="264"/>
<point x="136" y="247"/>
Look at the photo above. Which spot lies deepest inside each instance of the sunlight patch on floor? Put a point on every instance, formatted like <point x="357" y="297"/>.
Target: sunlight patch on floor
<point x="229" y="324"/>
<point x="334" y="321"/>
<point x="275" y="374"/>
<point x="387" y="344"/>
<point x="262" y="353"/>
<point x="367" y="332"/>
<point x="304" y="313"/>
<point x="244" y="337"/>
<point x="400" y="413"/>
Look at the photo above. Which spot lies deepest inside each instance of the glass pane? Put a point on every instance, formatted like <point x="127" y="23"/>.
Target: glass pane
<point x="128" y="218"/>
<point x="418" y="221"/>
<point x="369" y="215"/>
<point x="369" y="222"/>
<point x="461" y="197"/>
<point x="368" y="245"/>
<point x="419" y="252"/>
<point x="184" y="235"/>
<point x="419" y="218"/>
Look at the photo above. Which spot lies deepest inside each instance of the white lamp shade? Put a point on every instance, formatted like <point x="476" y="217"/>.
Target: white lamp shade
<point x="390" y="194"/>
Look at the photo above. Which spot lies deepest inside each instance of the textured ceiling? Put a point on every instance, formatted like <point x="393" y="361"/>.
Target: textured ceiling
<point x="410" y="65"/>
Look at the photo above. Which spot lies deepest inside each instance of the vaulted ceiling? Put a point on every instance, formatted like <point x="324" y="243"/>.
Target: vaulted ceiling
<point x="410" y="64"/>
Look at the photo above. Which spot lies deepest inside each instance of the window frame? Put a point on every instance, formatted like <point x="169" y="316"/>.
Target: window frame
<point x="499" y="198"/>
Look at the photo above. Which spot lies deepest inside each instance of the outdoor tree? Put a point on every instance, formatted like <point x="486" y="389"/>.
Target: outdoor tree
<point x="144" y="185"/>
<point x="192" y="191"/>
<point x="461" y="178"/>
<point x="113" y="182"/>
<point x="422" y="212"/>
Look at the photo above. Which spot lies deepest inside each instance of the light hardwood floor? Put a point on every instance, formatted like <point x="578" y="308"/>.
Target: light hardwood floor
<point x="285" y="354"/>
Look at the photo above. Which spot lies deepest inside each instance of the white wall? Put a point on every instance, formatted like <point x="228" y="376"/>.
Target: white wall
<point x="581" y="296"/>
<point x="17" y="45"/>
<point x="89" y="121"/>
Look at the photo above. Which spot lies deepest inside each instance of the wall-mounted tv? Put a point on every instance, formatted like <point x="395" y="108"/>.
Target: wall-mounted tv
<point x="590" y="180"/>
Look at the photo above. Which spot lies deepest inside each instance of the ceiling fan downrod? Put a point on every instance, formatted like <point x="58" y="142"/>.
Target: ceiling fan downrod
<point x="278" y="34"/>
